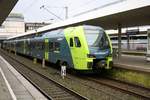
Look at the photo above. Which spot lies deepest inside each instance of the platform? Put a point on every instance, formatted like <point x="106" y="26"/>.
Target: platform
<point x="133" y="62"/>
<point x="13" y="86"/>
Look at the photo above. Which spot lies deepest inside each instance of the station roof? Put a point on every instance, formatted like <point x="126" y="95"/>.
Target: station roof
<point x="5" y="8"/>
<point x="128" y="13"/>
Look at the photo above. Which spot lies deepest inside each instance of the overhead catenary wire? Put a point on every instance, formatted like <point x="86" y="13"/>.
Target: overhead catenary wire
<point x="50" y="12"/>
<point x="61" y="13"/>
<point x="64" y="7"/>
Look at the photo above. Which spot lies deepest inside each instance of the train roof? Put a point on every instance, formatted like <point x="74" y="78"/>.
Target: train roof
<point x="130" y="13"/>
<point x="53" y="33"/>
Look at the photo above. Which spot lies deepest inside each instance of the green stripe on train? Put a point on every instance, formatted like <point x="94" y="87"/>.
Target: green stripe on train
<point x="46" y="54"/>
<point x="109" y="58"/>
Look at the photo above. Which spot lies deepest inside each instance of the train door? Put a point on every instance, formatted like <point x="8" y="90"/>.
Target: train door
<point x="148" y="45"/>
<point x="46" y="54"/>
<point x="78" y="53"/>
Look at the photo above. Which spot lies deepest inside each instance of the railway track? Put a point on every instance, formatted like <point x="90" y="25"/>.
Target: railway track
<point x="49" y="87"/>
<point x="124" y="87"/>
<point x="140" y="92"/>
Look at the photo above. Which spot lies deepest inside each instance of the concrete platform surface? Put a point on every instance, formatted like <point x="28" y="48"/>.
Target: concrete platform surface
<point x="4" y="91"/>
<point x="13" y="86"/>
<point x="135" y="62"/>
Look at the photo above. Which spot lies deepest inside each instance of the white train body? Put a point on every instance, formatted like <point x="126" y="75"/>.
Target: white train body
<point x="136" y="42"/>
<point x="148" y="46"/>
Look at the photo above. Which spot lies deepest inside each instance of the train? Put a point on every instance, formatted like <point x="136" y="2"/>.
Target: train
<point x="83" y="47"/>
<point x="148" y="45"/>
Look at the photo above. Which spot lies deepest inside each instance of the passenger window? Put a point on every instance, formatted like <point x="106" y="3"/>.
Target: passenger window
<point x="71" y="42"/>
<point x="77" y="42"/>
<point x="41" y="45"/>
<point x="51" y="47"/>
<point x="57" y="46"/>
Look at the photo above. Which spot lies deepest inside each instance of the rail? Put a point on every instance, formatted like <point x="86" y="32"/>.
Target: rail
<point x="142" y="92"/>
<point x="52" y="89"/>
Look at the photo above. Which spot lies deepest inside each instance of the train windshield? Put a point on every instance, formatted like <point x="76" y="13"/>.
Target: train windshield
<point x="96" y="37"/>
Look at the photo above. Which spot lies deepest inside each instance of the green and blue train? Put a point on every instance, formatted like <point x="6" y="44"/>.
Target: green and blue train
<point x="81" y="48"/>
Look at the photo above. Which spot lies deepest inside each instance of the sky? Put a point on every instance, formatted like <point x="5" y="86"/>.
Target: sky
<point x="32" y="12"/>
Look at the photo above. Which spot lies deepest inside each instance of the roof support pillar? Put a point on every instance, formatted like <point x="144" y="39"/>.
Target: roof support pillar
<point x="119" y="40"/>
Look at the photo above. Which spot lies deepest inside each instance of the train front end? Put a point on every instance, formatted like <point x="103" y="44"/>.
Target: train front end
<point x="100" y="48"/>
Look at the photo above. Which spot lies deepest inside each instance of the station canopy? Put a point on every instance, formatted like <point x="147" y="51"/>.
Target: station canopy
<point x="5" y="8"/>
<point x="128" y="13"/>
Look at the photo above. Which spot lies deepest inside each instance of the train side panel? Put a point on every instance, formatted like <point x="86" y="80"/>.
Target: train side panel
<point x="57" y="51"/>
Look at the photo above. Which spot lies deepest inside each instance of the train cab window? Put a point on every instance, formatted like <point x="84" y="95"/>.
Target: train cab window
<point x="71" y="42"/>
<point x="77" y="42"/>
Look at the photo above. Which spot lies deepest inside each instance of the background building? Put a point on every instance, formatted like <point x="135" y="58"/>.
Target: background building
<point x="31" y="26"/>
<point x="13" y="25"/>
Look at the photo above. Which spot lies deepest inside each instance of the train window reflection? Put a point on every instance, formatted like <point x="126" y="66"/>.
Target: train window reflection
<point x="77" y="42"/>
<point x="96" y="37"/>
